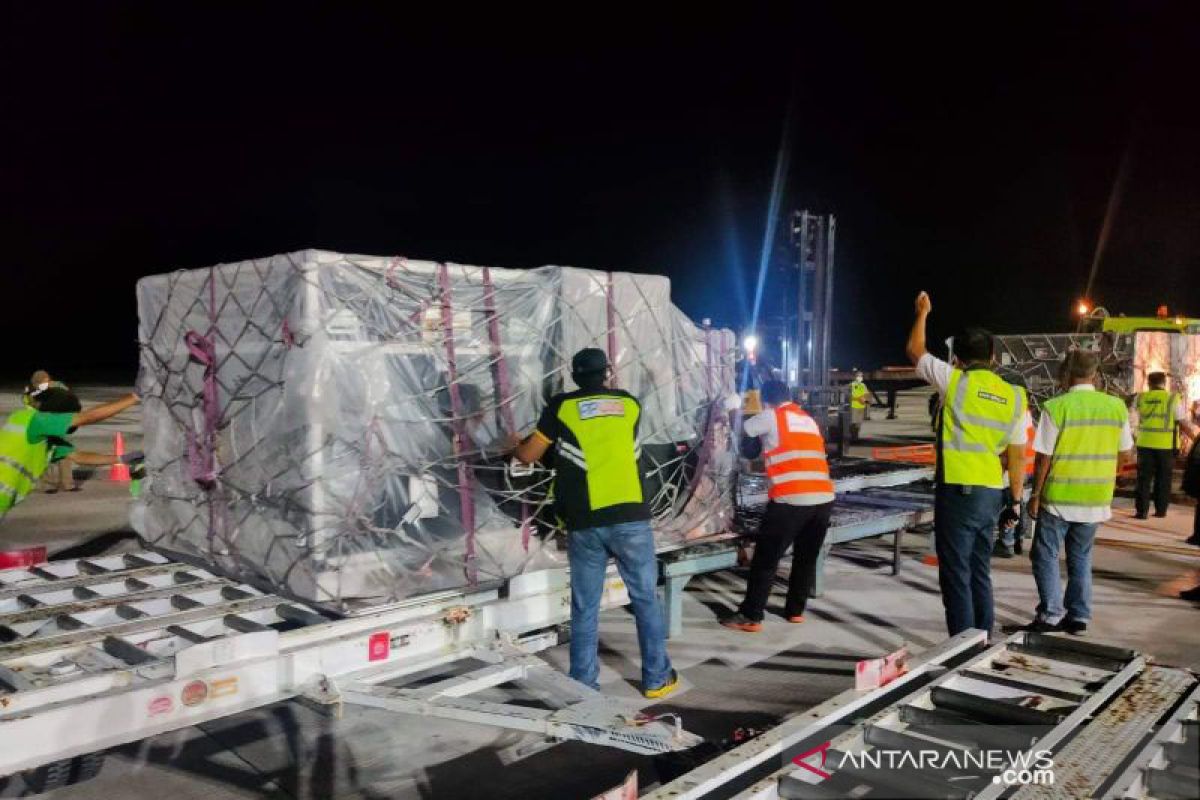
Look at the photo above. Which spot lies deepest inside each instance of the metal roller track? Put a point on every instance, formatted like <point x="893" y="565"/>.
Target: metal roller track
<point x="98" y="652"/>
<point x="1034" y="716"/>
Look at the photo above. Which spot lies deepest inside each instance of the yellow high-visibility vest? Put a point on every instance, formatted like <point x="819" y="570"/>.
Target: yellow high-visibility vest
<point x="979" y="412"/>
<point x="1083" y="468"/>
<point x="858" y="394"/>
<point x="1156" y="419"/>
<point x="21" y="461"/>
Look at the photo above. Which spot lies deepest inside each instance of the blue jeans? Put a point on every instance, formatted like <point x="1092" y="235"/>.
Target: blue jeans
<point x="1051" y="532"/>
<point x="632" y="545"/>
<point x="963" y="526"/>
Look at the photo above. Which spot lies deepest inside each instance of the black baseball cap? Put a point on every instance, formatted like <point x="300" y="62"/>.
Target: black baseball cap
<point x="589" y="361"/>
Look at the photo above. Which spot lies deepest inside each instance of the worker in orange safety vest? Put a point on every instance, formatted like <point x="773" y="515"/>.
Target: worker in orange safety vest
<point x="800" y="499"/>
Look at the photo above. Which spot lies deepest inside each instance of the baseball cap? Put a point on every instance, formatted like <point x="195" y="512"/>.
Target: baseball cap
<point x="589" y="360"/>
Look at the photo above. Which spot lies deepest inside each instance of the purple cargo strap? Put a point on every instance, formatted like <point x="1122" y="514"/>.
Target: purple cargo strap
<point x="503" y="385"/>
<point x="610" y="303"/>
<point x="202" y="446"/>
<point x="466" y="476"/>
<point x="497" y="352"/>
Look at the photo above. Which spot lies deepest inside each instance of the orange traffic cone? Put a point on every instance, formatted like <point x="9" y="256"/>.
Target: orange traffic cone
<point x="119" y="471"/>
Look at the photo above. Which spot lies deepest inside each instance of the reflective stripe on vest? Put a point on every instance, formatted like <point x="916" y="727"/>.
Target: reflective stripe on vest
<point x="979" y="411"/>
<point x="1083" y="468"/>
<point x="798" y="466"/>
<point x="1156" y="419"/>
<point x="21" y="462"/>
<point x="604" y="426"/>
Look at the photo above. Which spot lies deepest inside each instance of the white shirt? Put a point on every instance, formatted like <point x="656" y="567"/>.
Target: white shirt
<point x="1044" y="442"/>
<point x="764" y="426"/>
<point x="936" y="373"/>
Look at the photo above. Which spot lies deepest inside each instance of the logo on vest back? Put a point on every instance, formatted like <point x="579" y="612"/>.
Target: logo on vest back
<point x="995" y="398"/>
<point x="590" y="409"/>
<point x="797" y="423"/>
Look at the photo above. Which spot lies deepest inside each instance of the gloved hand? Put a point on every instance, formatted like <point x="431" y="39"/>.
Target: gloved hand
<point x="1010" y="516"/>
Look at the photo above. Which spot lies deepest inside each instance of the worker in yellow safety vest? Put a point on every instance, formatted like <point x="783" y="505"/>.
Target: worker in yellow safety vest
<point x="858" y="404"/>
<point x="1161" y="414"/>
<point x="32" y="439"/>
<point x="982" y="416"/>
<point x="1082" y="439"/>
<point x="600" y="498"/>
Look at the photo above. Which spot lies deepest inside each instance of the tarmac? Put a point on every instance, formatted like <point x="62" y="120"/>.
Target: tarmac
<point x="731" y="679"/>
<point x="100" y="509"/>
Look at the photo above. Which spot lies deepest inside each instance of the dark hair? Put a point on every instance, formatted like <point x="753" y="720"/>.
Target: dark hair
<point x="973" y="345"/>
<point x="590" y="381"/>
<point x="1078" y="365"/>
<point x="57" y="400"/>
<point x="1157" y="380"/>
<point x="775" y="392"/>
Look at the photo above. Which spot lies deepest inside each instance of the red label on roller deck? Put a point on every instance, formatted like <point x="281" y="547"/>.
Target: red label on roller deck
<point x="378" y="646"/>
<point x="160" y="705"/>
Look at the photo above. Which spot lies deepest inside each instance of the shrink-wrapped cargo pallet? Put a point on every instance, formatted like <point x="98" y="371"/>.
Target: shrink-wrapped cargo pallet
<point x="334" y="426"/>
<point x="1126" y="359"/>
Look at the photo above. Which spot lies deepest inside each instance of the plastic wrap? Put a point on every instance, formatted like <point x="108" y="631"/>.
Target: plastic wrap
<point x="1178" y="355"/>
<point x="1125" y="361"/>
<point x="333" y="426"/>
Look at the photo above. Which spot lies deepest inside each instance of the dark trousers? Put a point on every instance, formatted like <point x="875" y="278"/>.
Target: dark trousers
<point x="1154" y="469"/>
<point x="963" y="522"/>
<point x="783" y="525"/>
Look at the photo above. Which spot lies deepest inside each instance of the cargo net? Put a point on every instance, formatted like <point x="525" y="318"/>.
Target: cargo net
<point x="1126" y="359"/>
<point x="1033" y="361"/>
<point x="337" y="427"/>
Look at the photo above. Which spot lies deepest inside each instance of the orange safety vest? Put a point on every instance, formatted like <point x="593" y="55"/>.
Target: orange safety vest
<point x="1030" y="456"/>
<point x="798" y="466"/>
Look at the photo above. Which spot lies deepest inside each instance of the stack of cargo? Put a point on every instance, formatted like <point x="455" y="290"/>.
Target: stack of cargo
<point x="1126" y="358"/>
<point x="335" y="427"/>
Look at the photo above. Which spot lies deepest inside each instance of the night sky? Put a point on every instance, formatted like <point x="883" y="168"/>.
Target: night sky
<point x="967" y="154"/>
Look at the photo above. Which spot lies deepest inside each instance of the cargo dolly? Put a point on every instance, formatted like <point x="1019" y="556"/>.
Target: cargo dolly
<point x="99" y="652"/>
<point x="1031" y="716"/>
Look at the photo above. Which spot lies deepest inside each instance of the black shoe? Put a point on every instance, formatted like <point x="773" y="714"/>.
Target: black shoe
<point x="1192" y="540"/>
<point x="1141" y="515"/>
<point x="740" y="622"/>
<point x="1192" y="594"/>
<point x="1074" y="627"/>
<point x="1000" y="551"/>
<point x="1160" y="514"/>
<point x="1039" y="626"/>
